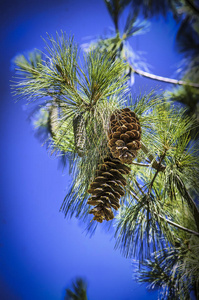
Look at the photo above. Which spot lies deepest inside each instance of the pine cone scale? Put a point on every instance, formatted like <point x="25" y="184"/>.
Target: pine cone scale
<point x="95" y="202"/>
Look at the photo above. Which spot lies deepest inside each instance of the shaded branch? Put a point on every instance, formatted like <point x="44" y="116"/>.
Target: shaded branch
<point x="181" y="186"/>
<point x="139" y="187"/>
<point x="194" y="8"/>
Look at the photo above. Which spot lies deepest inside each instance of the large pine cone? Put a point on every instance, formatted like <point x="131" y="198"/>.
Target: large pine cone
<point x="124" y="135"/>
<point x="107" y="188"/>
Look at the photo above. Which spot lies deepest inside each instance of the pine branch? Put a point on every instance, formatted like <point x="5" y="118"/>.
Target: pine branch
<point x="193" y="7"/>
<point x="161" y="217"/>
<point x="115" y="9"/>
<point x="167" y="271"/>
<point x="163" y="79"/>
<point x="157" y="171"/>
<point x="134" y="195"/>
<point x="181" y="186"/>
<point x="152" y="159"/>
<point x="140" y="164"/>
<point x="139" y="187"/>
<point x="116" y="15"/>
<point x="186" y="194"/>
<point x="177" y="225"/>
<point x="78" y="291"/>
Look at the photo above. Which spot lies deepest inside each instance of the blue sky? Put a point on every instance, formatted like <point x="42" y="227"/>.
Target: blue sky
<point x="41" y="252"/>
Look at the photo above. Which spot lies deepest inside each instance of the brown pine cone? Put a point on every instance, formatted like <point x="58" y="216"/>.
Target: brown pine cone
<point x="124" y="135"/>
<point x="107" y="188"/>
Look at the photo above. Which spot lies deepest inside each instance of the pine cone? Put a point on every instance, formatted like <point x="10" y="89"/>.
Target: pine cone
<point x="124" y="135"/>
<point x="53" y="118"/>
<point x="107" y="188"/>
<point x="79" y="129"/>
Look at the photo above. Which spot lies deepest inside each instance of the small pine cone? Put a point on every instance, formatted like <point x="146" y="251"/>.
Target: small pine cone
<point x="53" y="118"/>
<point x="124" y="135"/>
<point x="79" y="129"/>
<point x="107" y="188"/>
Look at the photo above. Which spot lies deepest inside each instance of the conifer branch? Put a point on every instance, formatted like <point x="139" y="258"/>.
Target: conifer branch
<point x="177" y="225"/>
<point x="187" y="196"/>
<point x="163" y="79"/>
<point x="140" y="164"/>
<point x="190" y="201"/>
<point x="90" y="95"/>
<point x="157" y="171"/>
<point x="192" y="5"/>
<point x="116" y="15"/>
<point x="133" y="193"/>
<point x="152" y="159"/>
<point x="161" y="217"/>
<point x="139" y="187"/>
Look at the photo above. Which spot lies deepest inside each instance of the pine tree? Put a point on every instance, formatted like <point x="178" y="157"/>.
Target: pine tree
<point x="133" y="158"/>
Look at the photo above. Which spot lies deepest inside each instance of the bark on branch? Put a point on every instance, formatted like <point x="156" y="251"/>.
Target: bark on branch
<point x="163" y="79"/>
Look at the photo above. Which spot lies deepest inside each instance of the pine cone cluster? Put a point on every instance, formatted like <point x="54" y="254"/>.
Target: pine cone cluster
<point x="124" y="135"/>
<point x="107" y="188"/>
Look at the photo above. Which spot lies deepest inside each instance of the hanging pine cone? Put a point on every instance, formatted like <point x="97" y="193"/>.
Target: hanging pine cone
<point x="53" y="119"/>
<point x="79" y="129"/>
<point x="107" y="188"/>
<point x="124" y="135"/>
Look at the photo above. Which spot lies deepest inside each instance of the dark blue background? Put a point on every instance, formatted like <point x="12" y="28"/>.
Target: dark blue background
<point x="40" y="251"/>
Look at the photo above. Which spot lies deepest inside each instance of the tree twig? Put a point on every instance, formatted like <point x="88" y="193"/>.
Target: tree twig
<point x="152" y="159"/>
<point x="156" y="173"/>
<point x="140" y="164"/>
<point x="134" y="195"/>
<point x="194" y="8"/>
<point x="167" y="220"/>
<point x="163" y="79"/>
<point x="177" y="225"/>
<point x="139" y="187"/>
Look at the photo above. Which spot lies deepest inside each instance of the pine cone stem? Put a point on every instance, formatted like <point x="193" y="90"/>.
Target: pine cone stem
<point x="140" y="164"/>
<point x="151" y="157"/>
